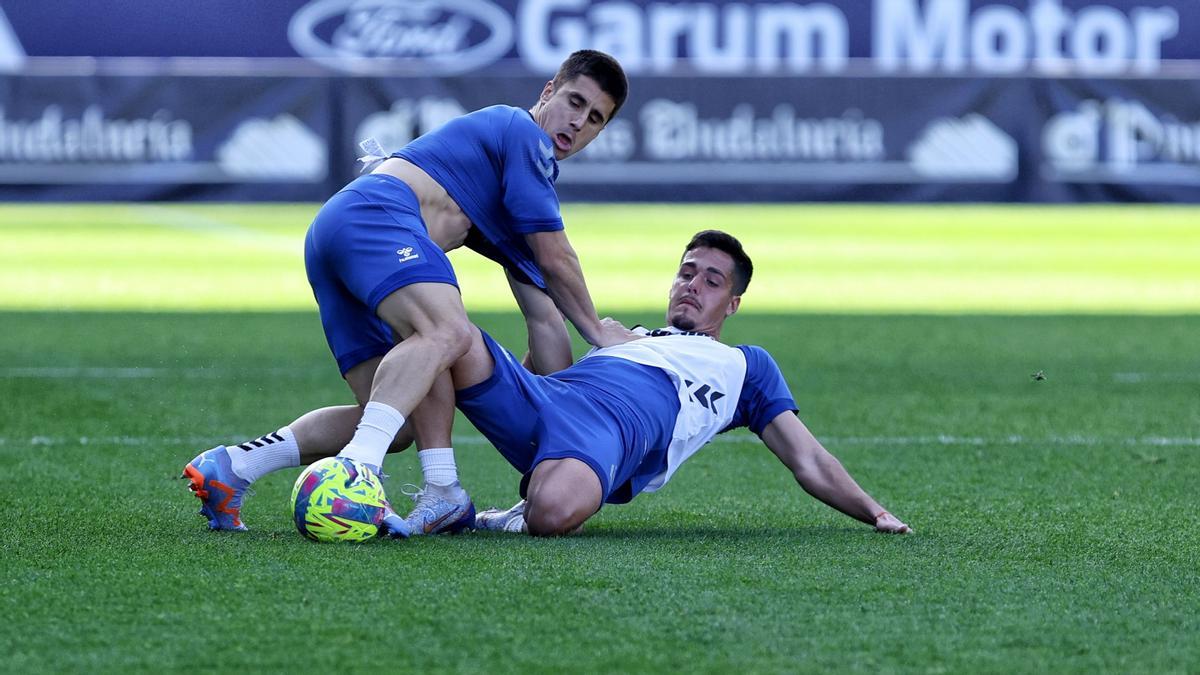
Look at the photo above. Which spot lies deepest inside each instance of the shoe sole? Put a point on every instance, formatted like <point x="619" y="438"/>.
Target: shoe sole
<point x="200" y="486"/>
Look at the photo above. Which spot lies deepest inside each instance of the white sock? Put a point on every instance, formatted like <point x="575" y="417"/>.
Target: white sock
<point x="254" y="459"/>
<point x="378" y="427"/>
<point x="438" y="467"/>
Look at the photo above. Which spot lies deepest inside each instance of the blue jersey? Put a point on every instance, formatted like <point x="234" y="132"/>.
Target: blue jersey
<point x="499" y="167"/>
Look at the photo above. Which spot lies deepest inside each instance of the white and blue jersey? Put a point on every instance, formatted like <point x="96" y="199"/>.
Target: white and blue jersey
<point x="633" y="412"/>
<point x="499" y="167"/>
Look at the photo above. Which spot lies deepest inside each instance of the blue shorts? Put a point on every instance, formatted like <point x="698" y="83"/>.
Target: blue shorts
<point x="366" y="242"/>
<point x="531" y="418"/>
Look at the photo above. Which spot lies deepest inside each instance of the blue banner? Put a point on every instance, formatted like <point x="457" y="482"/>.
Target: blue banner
<point x="857" y="138"/>
<point x="760" y="37"/>
<point x="961" y="100"/>
<point x="112" y="138"/>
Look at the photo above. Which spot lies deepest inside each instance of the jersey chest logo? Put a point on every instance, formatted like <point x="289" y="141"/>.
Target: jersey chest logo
<point x="705" y="395"/>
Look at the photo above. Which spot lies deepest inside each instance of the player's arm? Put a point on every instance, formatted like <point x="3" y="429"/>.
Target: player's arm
<point x="564" y="282"/>
<point x="549" y="342"/>
<point x="822" y="475"/>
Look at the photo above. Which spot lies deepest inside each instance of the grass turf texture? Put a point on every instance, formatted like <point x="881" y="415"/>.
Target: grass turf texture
<point x="1057" y="522"/>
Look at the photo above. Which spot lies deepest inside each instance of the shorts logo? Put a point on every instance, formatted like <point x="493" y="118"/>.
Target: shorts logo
<point x="406" y="254"/>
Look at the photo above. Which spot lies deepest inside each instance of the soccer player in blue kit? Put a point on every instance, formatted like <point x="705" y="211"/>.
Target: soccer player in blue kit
<point x="624" y="418"/>
<point x="389" y="300"/>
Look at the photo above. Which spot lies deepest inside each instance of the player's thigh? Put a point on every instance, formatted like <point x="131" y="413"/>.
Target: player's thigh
<point x="433" y="309"/>
<point x="499" y="398"/>
<point x="566" y="485"/>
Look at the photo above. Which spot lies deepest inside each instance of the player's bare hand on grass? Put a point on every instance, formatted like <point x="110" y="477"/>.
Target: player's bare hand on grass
<point x="612" y="332"/>
<point x="886" y="522"/>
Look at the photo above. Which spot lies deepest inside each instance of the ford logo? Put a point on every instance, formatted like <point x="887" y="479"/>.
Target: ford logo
<point x="432" y="37"/>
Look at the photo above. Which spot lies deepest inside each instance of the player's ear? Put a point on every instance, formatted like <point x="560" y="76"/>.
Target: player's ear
<point x="734" y="303"/>
<point x="547" y="91"/>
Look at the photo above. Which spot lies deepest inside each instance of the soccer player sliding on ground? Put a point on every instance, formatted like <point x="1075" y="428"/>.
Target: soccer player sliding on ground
<point x="624" y="418"/>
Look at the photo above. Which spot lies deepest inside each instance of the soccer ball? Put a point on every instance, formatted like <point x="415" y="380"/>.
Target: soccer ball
<point x="339" y="499"/>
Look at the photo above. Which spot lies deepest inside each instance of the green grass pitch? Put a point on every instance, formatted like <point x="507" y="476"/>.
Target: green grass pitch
<point x="1058" y="527"/>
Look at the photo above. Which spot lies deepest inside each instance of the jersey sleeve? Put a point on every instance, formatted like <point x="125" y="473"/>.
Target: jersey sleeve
<point x="765" y="394"/>
<point x="529" y="172"/>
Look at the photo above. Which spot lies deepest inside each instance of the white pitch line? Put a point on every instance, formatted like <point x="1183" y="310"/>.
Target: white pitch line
<point x="139" y="441"/>
<point x="1014" y="440"/>
<point x="144" y="373"/>
<point x="1138" y="378"/>
<point x="725" y="439"/>
<point x="150" y="372"/>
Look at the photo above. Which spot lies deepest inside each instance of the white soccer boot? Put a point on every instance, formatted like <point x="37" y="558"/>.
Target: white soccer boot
<point x="439" y="509"/>
<point x="511" y="519"/>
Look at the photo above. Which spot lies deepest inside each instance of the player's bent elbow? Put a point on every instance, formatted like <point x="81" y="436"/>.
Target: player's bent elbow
<point x="806" y="471"/>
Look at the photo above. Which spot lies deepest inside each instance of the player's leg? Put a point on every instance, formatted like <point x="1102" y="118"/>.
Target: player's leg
<point x="220" y="476"/>
<point x="562" y="494"/>
<point x="324" y="432"/>
<point x="357" y="338"/>
<point x="563" y="444"/>
<point x="432" y="323"/>
<point x="433" y="420"/>
<point x="478" y="364"/>
<point x="441" y="505"/>
<point x="499" y="397"/>
<point x="379" y="280"/>
<point x="411" y="381"/>
<point x="581" y="450"/>
<point x="435" y="332"/>
<point x="380" y="257"/>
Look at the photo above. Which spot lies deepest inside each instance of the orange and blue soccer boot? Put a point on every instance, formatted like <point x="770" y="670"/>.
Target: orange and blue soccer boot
<point x="219" y="489"/>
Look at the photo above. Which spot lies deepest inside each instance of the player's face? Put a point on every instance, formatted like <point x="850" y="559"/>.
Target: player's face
<point x="702" y="294"/>
<point x="573" y="114"/>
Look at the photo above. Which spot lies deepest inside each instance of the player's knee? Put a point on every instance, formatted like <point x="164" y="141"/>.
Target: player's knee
<point x="550" y="518"/>
<point x="454" y="337"/>
<point x="460" y="339"/>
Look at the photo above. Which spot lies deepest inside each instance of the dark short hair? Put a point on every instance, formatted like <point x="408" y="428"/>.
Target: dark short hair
<point x="743" y="267"/>
<point x="602" y="68"/>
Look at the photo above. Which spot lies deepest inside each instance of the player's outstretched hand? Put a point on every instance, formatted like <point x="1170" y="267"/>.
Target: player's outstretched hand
<point x="886" y="522"/>
<point x="613" y="333"/>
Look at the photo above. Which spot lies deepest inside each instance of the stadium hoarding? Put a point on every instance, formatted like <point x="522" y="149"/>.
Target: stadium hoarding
<point x="720" y="39"/>
<point x="158" y="137"/>
<point x="912" y="139"/>
<point x="850" y="138"/>
<point x="989" y="100"/>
